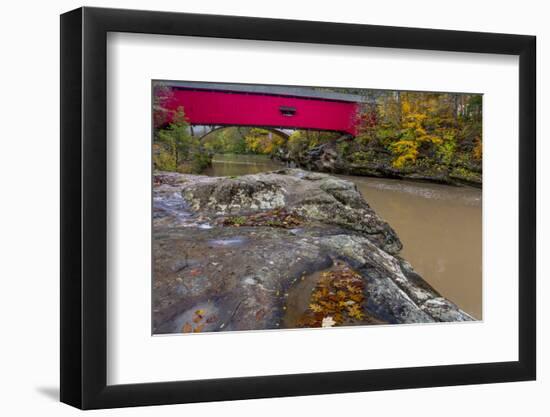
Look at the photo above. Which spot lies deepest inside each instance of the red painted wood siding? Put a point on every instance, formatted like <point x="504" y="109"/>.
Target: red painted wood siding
<point x="233" y="108"/>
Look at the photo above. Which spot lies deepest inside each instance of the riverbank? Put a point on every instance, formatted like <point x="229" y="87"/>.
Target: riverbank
<point x="230" y="252"/>
<point x="339" y="158"/>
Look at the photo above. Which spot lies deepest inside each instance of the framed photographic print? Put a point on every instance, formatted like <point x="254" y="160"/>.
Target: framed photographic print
<point x="257" y="207"/>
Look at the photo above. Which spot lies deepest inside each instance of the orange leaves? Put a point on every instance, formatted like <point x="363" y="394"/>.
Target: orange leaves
<point x="358" y="298"/>
<point x="199" y="320"/>
<point x="199" y="314"/>
<point x="355" y="312"/>
<point x="336" y="299"/>
<point x="316" y="308"/>
<point x="188" y="328"/>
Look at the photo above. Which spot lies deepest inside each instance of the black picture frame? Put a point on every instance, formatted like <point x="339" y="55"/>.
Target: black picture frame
<point x="84" y="207"/>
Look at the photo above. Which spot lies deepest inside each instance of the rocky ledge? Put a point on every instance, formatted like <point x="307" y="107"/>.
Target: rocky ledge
<point x="282" y="249"/>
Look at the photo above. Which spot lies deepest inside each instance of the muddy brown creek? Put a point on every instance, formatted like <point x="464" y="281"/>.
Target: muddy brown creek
<point x="439" y="226"/>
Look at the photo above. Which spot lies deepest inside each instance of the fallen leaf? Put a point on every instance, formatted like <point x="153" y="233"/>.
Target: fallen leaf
<point x="260" y="314"/>
<point x="355" y="312"/>
<point x="211" y="319"/>
<point x="316" y="308"/>
<point x="328" y="322"/>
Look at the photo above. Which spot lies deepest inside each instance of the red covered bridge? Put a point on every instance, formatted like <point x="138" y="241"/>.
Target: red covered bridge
<point x="220" y="104"/>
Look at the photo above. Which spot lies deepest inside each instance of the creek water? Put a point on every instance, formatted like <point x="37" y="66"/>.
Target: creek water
<point x="439" y="225"/>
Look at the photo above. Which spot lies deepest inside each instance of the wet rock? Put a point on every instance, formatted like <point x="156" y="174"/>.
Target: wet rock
<point x="314" y="196"/>
<point x="248" y="292"/>
<point x="442" y="309"/>
<point x="237" y="274"/>
<point x="396" y="292"/>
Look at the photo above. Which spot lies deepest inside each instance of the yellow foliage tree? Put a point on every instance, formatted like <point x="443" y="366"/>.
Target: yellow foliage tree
<point x="421" y="123"/>
<point x="263" y="141"/>
<point x="478" y="149"/>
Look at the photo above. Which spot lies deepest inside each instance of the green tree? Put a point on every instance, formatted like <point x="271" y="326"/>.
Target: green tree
<point x="228" y="140"/>
<point x="175" y="141"/>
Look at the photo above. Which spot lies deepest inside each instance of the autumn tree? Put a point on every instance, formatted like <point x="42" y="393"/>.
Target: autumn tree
<point x="432" y="127"/>
<point x="161" y="95"/>
<point x="263" y="141"/>
<point x="176" y="138"/>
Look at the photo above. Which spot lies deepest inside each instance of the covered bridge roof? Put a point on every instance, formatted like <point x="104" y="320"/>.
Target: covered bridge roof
<point x="289" y="91"/>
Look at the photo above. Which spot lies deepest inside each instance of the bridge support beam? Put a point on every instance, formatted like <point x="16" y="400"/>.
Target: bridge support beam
<point x="202" y="131"/>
